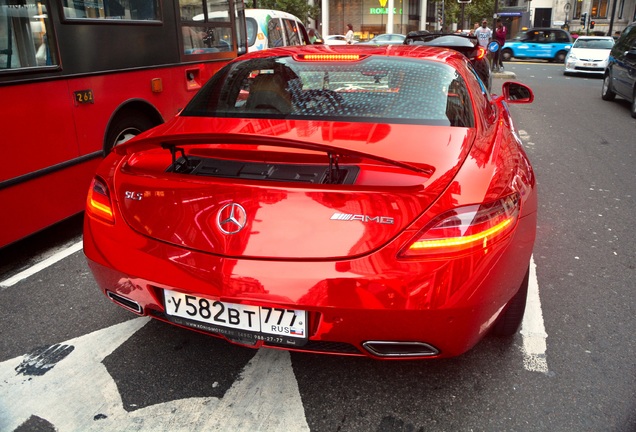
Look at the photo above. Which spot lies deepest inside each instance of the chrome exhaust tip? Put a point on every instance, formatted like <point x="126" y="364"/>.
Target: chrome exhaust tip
<point x="125" y="302"/>
<point x="400" y="349"/>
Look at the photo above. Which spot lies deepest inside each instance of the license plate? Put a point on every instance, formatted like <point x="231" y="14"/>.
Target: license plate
<point x="238" y="321"/>
<point x="589" y="64"/>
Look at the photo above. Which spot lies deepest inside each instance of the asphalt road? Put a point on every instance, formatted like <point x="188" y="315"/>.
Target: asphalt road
<point x="72" y="361"/>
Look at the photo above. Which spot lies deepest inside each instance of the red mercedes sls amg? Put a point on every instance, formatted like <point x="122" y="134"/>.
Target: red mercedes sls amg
<point x="351" y="200"/>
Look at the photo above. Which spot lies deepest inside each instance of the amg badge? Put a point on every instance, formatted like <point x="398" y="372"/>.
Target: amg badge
<point x="362" y="218"/>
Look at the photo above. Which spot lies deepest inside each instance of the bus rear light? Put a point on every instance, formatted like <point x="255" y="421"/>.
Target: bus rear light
<point x="98" y="203"/>
<point x="466" y="229"/>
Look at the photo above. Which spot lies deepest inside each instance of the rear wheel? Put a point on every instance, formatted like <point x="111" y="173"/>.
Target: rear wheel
<point x="560" y="57"/>
<point x="510" y="318"/>
<point x="606" y="91"/>
<point x="128" y="124"/>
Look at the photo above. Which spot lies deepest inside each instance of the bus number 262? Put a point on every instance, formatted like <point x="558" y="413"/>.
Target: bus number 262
<point x="84" y="96"/>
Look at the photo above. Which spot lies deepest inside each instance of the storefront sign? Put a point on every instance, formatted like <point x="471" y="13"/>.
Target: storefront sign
<point x="384" y="11"/>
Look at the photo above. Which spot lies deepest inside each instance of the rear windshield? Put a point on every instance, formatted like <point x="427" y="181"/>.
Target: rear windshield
<point x="376" y="89"/>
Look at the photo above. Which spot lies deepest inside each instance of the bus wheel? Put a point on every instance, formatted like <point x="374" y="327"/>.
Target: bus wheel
<point x="126" y="125"/>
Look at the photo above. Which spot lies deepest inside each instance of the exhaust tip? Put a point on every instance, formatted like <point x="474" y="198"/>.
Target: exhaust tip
<point x="125" y="302"/>
<point x="400" y="349"/>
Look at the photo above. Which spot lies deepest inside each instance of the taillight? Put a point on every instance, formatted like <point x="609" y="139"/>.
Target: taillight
<point x="481" y="52"/>
<point x="466" y="229"/>
<point x="98" y="203"/>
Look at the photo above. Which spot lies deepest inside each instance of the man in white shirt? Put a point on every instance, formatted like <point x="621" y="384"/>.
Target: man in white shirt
<point x="484" y="34"/>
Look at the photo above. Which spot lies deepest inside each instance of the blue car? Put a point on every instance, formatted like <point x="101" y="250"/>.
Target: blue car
<point x="539" y="43"/>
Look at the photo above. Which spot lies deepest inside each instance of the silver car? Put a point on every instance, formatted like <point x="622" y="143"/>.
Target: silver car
<point x="386" y="39"/>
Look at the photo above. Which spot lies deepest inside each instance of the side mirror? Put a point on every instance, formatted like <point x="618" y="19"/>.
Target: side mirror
<point x="514" y="92"/>
<point x="319" y="41"/>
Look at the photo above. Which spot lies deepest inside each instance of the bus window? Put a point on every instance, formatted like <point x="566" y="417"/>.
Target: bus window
<point x="275" y="34"/>
<point x="201" y="40"/>
<point x="128" y="10"/>
<point x="291" y="31"/>
<point x="206" y="30"/>
<point x="24" y="41"/>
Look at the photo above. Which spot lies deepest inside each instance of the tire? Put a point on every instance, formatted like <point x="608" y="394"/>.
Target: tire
<point x="509" y="320"/>
<point x="607" y="93"/>
<point x="506" y="55"/>
<point x="560" y="57"/>
<point x="633" y="108"/>
<point x="126" y="125"/>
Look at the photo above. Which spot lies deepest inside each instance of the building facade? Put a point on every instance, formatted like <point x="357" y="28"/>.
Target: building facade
<point x="369" y="17"/>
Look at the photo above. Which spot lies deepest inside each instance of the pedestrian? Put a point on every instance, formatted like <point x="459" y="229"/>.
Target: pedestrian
<point x="475" y="27"/>
<point x="349" y="34"/>
<point x="312" y="35"/>
<point x="484" y="36"/>
<point x="500" y="37"/>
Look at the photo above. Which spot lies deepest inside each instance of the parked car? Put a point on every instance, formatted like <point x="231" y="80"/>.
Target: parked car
<point x="620" y="74"/>
<point x="386" y="39"/>
<point x="352" y="200"/>
<point x="268" y="28"/>
<point x="335" y="40"/>
<point x="465" y="44"/>
<point x="539" y="43"/>
<point x="588" y="55"/>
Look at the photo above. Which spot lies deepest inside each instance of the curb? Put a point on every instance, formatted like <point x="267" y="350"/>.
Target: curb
<point x="504" y="75"/>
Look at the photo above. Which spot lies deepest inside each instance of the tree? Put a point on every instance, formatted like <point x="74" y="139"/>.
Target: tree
<point x="474" y="12"/>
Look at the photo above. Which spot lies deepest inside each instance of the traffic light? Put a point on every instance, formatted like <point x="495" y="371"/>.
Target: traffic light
<point x="440" y="11"/>
<point x="592" y="24"/>
<point x="583" y="19"/>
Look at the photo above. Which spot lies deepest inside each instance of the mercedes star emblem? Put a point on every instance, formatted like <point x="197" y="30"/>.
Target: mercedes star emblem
<point x="231" y="218"/>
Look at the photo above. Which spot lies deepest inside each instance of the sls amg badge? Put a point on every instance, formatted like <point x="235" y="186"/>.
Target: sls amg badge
<point x="362" y="218"/>
<point x="231" y="218"/>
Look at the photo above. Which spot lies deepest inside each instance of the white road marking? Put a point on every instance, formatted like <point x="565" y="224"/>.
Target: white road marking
<point x="78" y="393"/>
<point x="41" y="265"/>
<point x="532" y="328"/>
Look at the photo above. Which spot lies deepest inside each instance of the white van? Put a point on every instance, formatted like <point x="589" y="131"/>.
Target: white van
<point x="268" y="28"/>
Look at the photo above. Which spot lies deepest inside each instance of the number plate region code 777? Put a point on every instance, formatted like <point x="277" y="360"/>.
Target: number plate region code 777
<point x="238" y="321"/>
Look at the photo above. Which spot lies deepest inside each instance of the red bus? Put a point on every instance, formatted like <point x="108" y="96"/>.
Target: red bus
<point x="79" y="76"/>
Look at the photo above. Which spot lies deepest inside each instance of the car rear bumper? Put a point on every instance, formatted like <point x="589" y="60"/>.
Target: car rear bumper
<point x="424" y="309"/>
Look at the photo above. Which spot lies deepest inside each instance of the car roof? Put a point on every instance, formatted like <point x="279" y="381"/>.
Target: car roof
<point x="545" y="28"/>
<point x="455" y="40"/>
<point x="262" y="13"/>
<point x="595" y="37"/>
